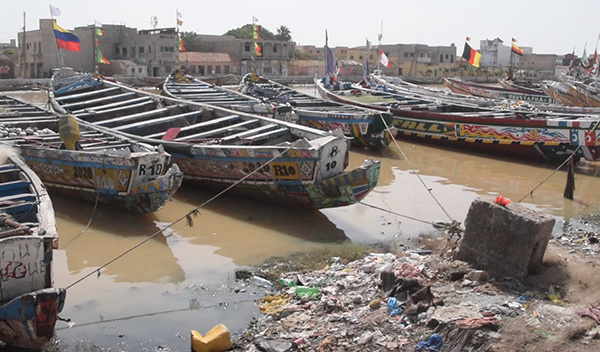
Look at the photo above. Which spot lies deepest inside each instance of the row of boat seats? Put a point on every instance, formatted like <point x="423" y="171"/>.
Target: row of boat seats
<point x="92" y="102"/>
<point x="159" y="121"/>
<point x="140" y="116"/>
<point x="118" y="104"/>
<point x="85" y="95"/>
<point x="201" y="125"/>
<point x="217" y="132"/>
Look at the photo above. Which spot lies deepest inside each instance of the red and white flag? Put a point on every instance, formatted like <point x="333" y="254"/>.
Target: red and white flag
<point x="384" y="60"/>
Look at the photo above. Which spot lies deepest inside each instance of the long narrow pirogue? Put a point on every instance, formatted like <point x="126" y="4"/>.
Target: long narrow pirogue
<point x="224" y="149"/>
<point x="367" y="128"/>
<point x="29" y="304"/>
<point x="538" y="135"/>
<point x="80" y="160"/>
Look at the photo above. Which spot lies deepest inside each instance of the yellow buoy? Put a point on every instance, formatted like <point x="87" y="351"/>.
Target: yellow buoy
<point x="68" y="129"/>
<point x="216" y="340"/>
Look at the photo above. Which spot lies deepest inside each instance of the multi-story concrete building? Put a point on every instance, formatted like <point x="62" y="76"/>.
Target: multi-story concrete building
<point x="151" y="52"/>
<point x="420" y="60"/>
<point x="495" y="54"/>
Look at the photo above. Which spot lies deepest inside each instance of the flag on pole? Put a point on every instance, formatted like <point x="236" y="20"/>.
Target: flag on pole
<point x="471" y="55"/>
<point x="180" y="46"/>
<point x="54" y="11"/>
<point x="65" y="39"/>
<point x="515" y="49"/>
<point x="584" y="59"/>
<point x="100" y="58"/>
<point x="384" y="60"/>
<point x="179" y="20"/>
<point x="99" y="32"/>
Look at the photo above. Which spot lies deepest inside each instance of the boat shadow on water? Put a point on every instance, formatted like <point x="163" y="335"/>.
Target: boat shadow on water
<point x="92" y="236"/>
<point x="305" y="224"/>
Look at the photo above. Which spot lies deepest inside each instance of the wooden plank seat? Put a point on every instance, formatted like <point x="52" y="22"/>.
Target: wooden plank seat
<point x="217" y="132"/>
<point x="282" y="134"/>
<point x="115" y="104"/>
<point x="14" y="187"/>
<point x="158" y="121"/>
<point x="98" y="116"/>
<point x="77" y="96"/>
<point x="92" y="102"/>
<point x="140" y="116"/>
<point x="201" y="125"/>
<point x="247" y="134"/>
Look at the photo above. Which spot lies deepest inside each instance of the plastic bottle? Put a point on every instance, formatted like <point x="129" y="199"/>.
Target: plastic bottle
<point x="307" y="291"/>
<point x="259" y="281"/>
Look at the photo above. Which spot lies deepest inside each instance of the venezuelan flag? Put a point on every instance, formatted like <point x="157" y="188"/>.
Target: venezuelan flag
<point x="65" y="39"/>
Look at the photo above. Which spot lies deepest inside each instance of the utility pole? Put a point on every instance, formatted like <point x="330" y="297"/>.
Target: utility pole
<point x="24" y="51"/>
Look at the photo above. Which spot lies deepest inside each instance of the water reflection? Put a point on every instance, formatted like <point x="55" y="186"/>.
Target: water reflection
<point x="112" y="232"/>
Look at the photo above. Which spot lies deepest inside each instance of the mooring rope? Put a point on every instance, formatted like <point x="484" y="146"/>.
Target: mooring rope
<point x="530" y="193"/>
<point x="415" y="172"/>
<point x="188" y="216"/>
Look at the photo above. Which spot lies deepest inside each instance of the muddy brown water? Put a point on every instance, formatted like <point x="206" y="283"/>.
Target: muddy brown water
<point x="150" y="293"/>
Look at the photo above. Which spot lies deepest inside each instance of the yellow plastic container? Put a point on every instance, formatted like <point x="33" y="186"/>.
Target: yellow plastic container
<point x="216" y="340"/>
<point x="68" y="129"/>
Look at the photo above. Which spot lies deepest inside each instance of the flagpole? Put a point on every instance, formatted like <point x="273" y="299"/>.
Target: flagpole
<point x="95" y="47"/>
<point x="61" y="61"/>
<point x="379" y="47"/>
<point x="253" y="50"/>
<point x="24" y="49"/>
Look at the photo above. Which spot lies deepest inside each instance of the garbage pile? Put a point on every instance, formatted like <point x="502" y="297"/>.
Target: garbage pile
<point x="419" y="300"/>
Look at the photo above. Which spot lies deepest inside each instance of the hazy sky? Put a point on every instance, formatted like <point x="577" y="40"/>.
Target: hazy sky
<point x="549" y="27"/>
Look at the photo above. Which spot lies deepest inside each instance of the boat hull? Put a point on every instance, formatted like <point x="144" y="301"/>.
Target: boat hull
<point x="225" y="149"/>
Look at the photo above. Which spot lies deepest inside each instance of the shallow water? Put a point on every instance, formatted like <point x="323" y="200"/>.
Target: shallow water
<point x="179" y="280"/>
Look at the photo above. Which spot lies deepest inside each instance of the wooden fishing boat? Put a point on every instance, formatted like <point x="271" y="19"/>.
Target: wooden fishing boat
<point x="563" y="93"/>
<point x="224" y="149"/>
<point x="100" y="167"/>
<point x="29" y="304"/>
<point x="470" y="88"/>
<point x="367" y="128"/>
<point x="398" y="86"/>
<point x="186" y="87"/>
<point x="533" y="135"/>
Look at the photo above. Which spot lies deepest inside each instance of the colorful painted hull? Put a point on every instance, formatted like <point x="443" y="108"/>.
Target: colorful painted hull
<point x="367" y="128"/>
<point x="480" y="90"/>
<point x="29" y="305"/>
<point x="225" y="149"/>
<point x="549" y="137"/>
<point x="106" y="168"/>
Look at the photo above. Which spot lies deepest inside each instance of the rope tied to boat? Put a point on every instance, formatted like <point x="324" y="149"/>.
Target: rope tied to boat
<point x="429" y="189"/>
<point x="567" y="160"/>
<point x="188" y="216"/>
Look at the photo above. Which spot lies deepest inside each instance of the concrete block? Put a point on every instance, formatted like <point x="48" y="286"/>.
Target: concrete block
<point x="504" y="240"/>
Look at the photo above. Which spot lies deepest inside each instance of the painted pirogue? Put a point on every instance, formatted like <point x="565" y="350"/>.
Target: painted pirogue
<point x="539" y="135"/>
<point x="99" y="166"/>
<point x="224" y="149"/>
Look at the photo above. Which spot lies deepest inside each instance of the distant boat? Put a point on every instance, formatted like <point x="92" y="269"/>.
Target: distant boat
<point x="368" y="128"/>
<point x="29" y="304"/>
<point x="268" y="98"/>
<point x="186" y="87"/>
<point x="101" y="167"/>
<point x="224" y="149"/>
<point x="523" y="94"/>
<point x="516" y="133"/>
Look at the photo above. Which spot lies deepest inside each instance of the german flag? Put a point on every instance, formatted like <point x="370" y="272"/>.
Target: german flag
<point x="515" y="49"/>
<point x="471" y="55"/>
